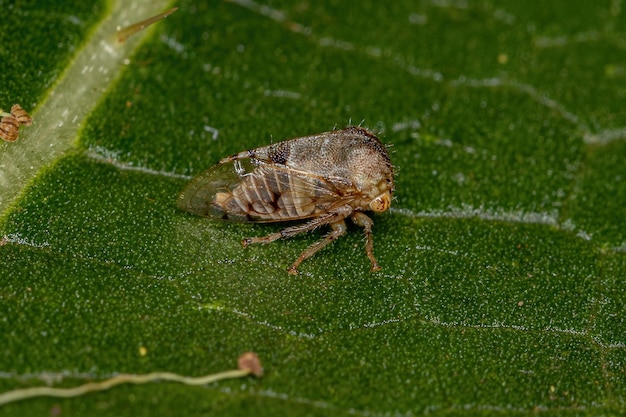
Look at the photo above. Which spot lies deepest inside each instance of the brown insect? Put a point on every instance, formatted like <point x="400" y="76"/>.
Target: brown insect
<point x="20" y="115"/>
<point x="11" y="122"/>
<point x="9" y="126"/>
<point x="324" y="178"/>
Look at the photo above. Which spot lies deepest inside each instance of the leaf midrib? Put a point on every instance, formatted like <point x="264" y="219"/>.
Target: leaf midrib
<point x="65" y="107"/>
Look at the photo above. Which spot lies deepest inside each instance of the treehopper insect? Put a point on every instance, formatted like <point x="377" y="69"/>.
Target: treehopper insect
<point x="322" y="179"/>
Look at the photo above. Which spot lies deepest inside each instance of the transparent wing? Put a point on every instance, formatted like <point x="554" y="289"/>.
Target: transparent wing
<point x="249" y="190"/>
<point x="199" y="193"/>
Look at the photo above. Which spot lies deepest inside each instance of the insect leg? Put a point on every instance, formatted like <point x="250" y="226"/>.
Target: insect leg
<point x="339" y="229"/>
<point x="299" y="228"/>
<point x="335" y="219"/>
<point x="283" y="234"/>
<point x="362" y="220"/>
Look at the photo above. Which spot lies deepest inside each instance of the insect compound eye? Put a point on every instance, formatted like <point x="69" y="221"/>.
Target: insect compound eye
<point x="381" y="203"/>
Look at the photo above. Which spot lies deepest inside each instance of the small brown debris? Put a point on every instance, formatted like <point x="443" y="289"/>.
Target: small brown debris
<point x="20" y="114"/>
<point x="11" y="122"/>
<point x="128" y="31"/>
<point x="9" y="128"/>
<point x="250" y="361"/>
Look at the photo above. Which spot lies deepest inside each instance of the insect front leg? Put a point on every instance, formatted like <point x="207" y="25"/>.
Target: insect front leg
<point x="362" y="220"/>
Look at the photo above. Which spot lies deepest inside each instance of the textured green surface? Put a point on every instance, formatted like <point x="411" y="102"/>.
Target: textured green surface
<point x="504" y="255"/>
<point x="38" y="39"/>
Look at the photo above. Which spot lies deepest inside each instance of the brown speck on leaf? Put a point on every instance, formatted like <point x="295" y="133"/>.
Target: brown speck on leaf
<point x="11" y="122"/>
<point x="9" y="128"/>
<point x="20" y="114"/>
<point x="250" y="361"/>
<point x="56" y="411"/>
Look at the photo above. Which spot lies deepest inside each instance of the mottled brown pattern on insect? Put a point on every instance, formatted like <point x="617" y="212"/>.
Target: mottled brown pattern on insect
<point x="323" y="178"/>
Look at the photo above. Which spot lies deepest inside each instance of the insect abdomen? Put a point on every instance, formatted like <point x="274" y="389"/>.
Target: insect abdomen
<point x="266" y="195"/>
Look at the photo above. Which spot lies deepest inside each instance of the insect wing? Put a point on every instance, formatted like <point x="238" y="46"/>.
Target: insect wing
<point x="242" y="190"/>
<point x="197" y="197"/>
<point x="274" y="192"/>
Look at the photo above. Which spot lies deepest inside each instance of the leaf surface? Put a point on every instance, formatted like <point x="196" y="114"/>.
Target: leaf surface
<point x="502" y="290"/>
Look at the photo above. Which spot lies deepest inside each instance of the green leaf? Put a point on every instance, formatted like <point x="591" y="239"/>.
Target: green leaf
<point x="504" y="254"/>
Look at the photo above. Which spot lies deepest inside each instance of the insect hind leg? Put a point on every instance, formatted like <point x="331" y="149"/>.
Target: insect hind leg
<point x="338" y="229"/>
<point x="288" y="231"/>
<point x="334" y="219"/>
